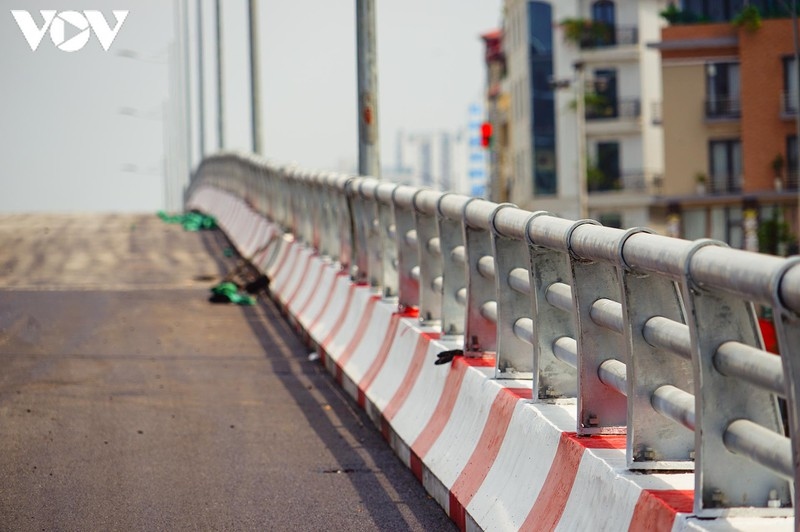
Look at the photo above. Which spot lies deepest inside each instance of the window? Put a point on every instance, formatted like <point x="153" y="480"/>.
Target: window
<point x="722" y="90"/>
<point x="603" y="15"/>
<point x="606" y="174"/>
<point x="542" y="101"/>
<point x="790" y="84"/>
<point x="725" y="165"/>
<point x="791" y="161"/>
<point x="712" y="10"/>
<point x="603" y="102"/>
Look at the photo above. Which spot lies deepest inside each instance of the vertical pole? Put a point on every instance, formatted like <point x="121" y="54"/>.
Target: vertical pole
<point x="368" y="147"/>
<point x="201" y="116"/>
<point x="220" y="92"/>
<point x="255" y="96"/>
<point x="187" y="76"/>
<point x="583" y="193"/>
<point x="796" y="100"/>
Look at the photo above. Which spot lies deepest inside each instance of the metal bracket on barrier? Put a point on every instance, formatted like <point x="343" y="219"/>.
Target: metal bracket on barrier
<point x="407" y="255"/>
<point x="787" y="326"/>
<point x="654" y="442"/>
<point x="430" y="263"/>
<point x="514" y="358"/>
<point x="451" y="238"/>
<point x="601" y="409"/>
<point x="552" y="378"/>
<point x="480" y="331"/>
<point x="715" y="318"/>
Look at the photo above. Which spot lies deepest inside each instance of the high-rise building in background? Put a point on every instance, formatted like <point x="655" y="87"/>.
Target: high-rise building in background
<point x="442" y="160"/>
<point x="547" y="48"/>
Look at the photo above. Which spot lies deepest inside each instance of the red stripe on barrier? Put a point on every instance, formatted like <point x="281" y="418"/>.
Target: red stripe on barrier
<point x="601" y="441"/>
<point x="414" y="369"/>
<point x="549" y="506"/>
<point x="301" y="307"/>
<point x="300" y="281"/>
<point x="382" y="356"/>
<point x="281" y="260"/>
<point x="295" y="252"/>
<point x="444" y="409"/>
<point x="326" y="304"/>
<point x="485" y="453"/>
<point x="341" y="318"/>
<point x="359" y="333"/>
<point x="656" y="509"/>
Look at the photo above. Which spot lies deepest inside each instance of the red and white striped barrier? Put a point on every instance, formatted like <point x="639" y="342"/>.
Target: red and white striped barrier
<point x="491" y="457"/>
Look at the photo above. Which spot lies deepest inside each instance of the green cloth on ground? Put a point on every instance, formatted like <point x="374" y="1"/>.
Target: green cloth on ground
<point x="191" y="221"/>
<point x="231" y="291"/>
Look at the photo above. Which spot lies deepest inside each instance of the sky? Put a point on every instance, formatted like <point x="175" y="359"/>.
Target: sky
<point x="93" y="130"/>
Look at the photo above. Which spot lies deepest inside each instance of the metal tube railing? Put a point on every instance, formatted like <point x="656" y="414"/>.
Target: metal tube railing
<point x="613" y="317"/>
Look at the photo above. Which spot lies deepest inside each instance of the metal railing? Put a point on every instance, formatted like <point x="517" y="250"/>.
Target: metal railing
<point x="603" y="35"/>
<point x="655" y="337"/>
<point x="788" y="104"/>
<point x="723" y="108"/>
<point x="620" y="108"/>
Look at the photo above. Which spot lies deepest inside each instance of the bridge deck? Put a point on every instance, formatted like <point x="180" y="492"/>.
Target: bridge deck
<point x="127" y="401"/>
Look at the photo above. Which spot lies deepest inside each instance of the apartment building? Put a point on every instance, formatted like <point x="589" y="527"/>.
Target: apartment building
<point x="557" y="55"/>
<point x="728" y="115"/>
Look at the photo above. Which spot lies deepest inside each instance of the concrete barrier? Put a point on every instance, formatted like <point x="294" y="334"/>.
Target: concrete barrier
<point x="490" y="456"/>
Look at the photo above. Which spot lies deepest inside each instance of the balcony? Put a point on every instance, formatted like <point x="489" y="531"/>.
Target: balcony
<point x="723" y="109"/>
<point x="597" y="108"/>
<point x="788" y="104"/>
<point x="600" y="35"/>
<point x="724" y="184"/>
<point x="637" y="182"/>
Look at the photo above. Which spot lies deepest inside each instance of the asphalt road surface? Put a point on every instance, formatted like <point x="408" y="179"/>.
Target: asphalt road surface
<point x="128" y="402"/>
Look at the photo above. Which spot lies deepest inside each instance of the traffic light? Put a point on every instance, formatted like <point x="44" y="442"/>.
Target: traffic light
<point x="486" y="134"/>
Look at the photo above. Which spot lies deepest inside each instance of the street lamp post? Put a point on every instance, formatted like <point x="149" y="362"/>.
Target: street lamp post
<point x="580" y="110"/>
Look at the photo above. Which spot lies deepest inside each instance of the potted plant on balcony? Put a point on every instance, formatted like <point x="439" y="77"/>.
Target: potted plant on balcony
<point x="777" y="169"/>
<point x="585" y="33"/>
<point x="700" y="182"/>
<point x="748" y="18"/>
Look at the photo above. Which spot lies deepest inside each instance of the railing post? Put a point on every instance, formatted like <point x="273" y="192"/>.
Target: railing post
<point x="654" y="441"/>
<point x="362" y="218"/>
<point x="406" y="237"/>
<point x="373" y="232"/>
<point x="514" y="355"/>
<point x="552" y="378"/>
<point x="787" y="324"/>
<point x="724" y="480"/>
<point x="480" y="334"/>
<point x="386" y="235"/>
<point x="601" y="410"/>
<point x="450" y="209"/>
<point x="430" y="256"/>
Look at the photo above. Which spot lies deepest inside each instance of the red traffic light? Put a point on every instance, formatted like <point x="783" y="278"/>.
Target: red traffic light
<point x="486" y="134"/>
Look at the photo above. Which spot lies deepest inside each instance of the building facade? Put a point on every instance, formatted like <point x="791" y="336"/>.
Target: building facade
<point x="561" y="56"/>
<point x="730" y="135"/>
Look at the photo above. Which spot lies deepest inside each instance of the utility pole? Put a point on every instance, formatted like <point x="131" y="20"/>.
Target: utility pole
<point x="220" y="86"/>
<point x="255" y="91"/>
<point x="201" y="116"/>
<point x="368" y="146"/>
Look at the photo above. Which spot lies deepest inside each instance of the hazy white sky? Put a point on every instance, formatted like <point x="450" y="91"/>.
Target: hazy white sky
<point x="83" y="131"/>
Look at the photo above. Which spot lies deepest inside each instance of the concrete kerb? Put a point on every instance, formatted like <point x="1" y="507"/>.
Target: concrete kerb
<point x="489" y="456"/>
